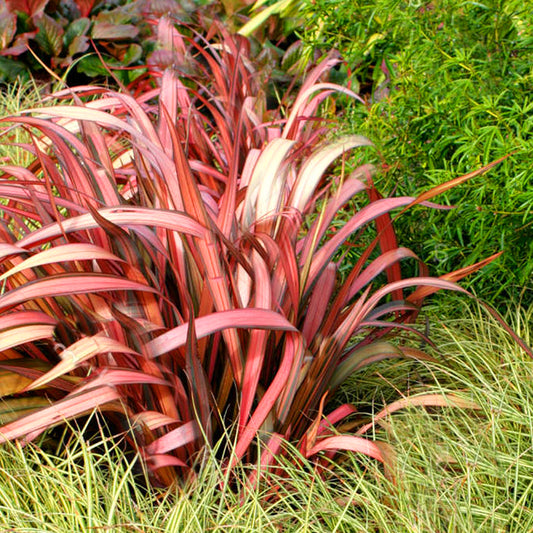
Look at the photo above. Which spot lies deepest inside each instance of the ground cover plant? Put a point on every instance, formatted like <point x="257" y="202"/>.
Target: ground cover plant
<point x="110" y="41"/>
<point x="73" y="37"/>
<point x="447" y="86"/>
<point x="464" y="470"/>
<point x="161" y="262"/>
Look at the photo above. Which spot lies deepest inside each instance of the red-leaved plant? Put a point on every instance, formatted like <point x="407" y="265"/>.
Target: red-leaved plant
<point x="174" y="248"/>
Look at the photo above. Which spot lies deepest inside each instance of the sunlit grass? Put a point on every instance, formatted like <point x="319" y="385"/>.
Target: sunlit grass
<point x="91" y="487"/>
<point x="13" y="99"/>
<point x="464" y="470"/>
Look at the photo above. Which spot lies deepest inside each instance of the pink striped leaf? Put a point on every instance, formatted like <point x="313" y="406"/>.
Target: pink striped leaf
<point x="86" y="113"/>
<point x="425" y="400"/>
<point x="10" y="249"/>
<point x="297" y="375"/>
<point x="349" y="188"/>
<point x="348" y="443"/>
<point x="66" y="252"/>
<point x="443" y="187"/>
<point x="22" y="334"/>
<point x="390" y="307"/>
<point x="379" y="265"/>
<point x="423" y="292"/>
<point x="121" y="216"/>
<point x="116" y="377"/>
<point x="164" y="460"/>
<point x="154" y="419"/>
<point x="303" y="97"/>
<point x="266" y="186"/>
<point x="174" y="439"/>
<point x="313" y="169"/>
<point x="335" y="416"/>
<point x="69" y="284"/>
<point x="70" y="407"/>
<point x="78" y="353"/>
<point x="290" y="276"/>
<point x="356" y="360"/>
<point x="12" y="409"/>
<point x="258" y="339"/>
<point x="319" y="302"/>
<point x="14" y="190"/>
<point x="200" y="386"/>
<point x="30" y="370"/>
<point x="366" y="215"/>
<point x="250" y="318"/>
<point x="24" y="318"/>
<point x="434" y="283"/>
<point x="272" y="394"/>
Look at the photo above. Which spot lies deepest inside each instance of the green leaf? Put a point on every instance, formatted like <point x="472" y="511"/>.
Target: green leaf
<point x="50" y="35"/>
<point x="79" y="44"/>
<point x="126" y="14"/>
<point x="93" y="67"/>
<point x="10" y="70"/>
<point x="133" y="54"/>
<point x="128" y="76"/>
<point x="258" y="20"/>
<point x="372" y="41"/>
<point x="78" y="28"/>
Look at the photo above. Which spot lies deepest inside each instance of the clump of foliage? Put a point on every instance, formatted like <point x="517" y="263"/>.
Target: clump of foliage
<point x="164" y="260"/>
<point x="447" y="85"/>
<point x="86" y="37"/>
<point x="98" y="40"/>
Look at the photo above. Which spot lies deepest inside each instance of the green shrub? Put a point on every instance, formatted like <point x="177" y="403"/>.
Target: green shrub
<point x="448" y="90"/>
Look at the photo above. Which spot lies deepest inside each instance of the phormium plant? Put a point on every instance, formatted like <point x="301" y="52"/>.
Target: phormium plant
<point x="164" y="257"/>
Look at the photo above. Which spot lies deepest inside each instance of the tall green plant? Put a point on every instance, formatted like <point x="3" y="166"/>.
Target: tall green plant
<point x="448" y="89"/>
<point x="163" y="258"/>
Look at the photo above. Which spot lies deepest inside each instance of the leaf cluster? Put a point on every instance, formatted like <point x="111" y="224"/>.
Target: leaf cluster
<point x="102" y="41"/>
<point x="79" y="38"/>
